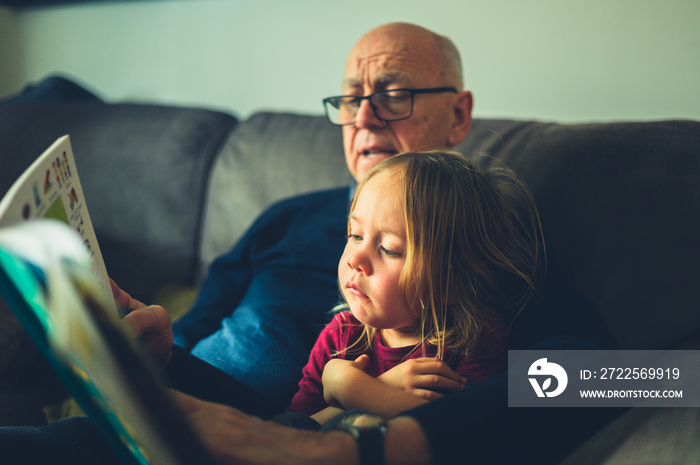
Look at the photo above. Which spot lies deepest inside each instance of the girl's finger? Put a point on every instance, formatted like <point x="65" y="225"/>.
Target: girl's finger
<point x="438" y="382"/>
<point x="427" y="394"/>
<point x="427" y="366"/>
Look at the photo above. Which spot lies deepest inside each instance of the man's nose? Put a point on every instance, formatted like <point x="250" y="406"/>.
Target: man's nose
<point x="366" y="117"/>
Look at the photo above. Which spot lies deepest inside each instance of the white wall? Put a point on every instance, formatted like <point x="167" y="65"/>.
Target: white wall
<point x="548" y="59"/>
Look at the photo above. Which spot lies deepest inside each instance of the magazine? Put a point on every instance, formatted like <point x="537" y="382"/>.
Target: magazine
<point x="48" y="278"/>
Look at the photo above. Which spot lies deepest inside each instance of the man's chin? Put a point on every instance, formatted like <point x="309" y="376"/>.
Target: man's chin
<point x="366" y="162"/>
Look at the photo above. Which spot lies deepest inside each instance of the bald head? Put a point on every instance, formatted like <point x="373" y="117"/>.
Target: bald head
<point x="404" y="56"/>
<point x="436" y="53"/>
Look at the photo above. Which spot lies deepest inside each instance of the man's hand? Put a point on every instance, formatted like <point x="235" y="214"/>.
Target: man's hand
<point x="424" y="377"/>
<point x="233" y="437"/>
<point x="150" y="324"/>
<point x="125" y="303"/>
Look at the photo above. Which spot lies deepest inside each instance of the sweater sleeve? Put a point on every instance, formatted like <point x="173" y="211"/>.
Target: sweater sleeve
<point x="220" y="293"/>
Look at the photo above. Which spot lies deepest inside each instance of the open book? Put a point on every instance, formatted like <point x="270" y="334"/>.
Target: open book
<point x="53" y="278"/>
<point x="50" y="188"/>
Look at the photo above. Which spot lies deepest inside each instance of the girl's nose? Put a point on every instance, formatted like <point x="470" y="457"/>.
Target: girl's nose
<point x="359" y="262"/>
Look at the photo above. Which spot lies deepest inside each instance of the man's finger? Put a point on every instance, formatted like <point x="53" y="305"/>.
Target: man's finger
<point x="147" y="320"/>
<point x="124" y="301"/>
<point x="186" y="403"/>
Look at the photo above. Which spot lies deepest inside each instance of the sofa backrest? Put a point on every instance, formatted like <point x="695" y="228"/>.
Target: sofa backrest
<point x="269" y="156"/>
<point x="170" y="188"/>
<point x="620" y="207"/>
<point x="619" y="203"/>
<point x="144" y="170"/>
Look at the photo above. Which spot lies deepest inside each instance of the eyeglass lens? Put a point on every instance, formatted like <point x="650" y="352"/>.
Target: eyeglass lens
<point x="388" y="105"/>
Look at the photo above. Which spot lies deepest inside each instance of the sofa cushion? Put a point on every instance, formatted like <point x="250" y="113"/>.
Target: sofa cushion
<point x="644" y="436"/>
<point x="144" y="170"/>
<point x="268" y="157"/>
<point x="619" y="204"/>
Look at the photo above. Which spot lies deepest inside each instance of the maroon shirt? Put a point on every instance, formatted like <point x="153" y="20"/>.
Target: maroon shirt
<point x="486" y="359"/>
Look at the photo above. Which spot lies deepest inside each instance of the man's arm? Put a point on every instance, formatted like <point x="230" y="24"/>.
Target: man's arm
<point x="226" y="282"/>
<point x="234" y="438"/>
<point x="301" y="237"/>
<point x="327" y="414"/>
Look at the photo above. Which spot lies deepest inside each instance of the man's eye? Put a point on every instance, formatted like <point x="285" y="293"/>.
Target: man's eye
<point x="396" y="97"/>
<point x="354" y="237"/>
<point x="348" y="103"/>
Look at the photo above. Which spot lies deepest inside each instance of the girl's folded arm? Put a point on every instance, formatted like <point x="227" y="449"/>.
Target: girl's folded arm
<point x="347" y="386"/>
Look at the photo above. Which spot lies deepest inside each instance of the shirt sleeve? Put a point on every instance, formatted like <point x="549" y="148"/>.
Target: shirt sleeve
<point x="309" y="399"/>
<point x="488" y="358"/>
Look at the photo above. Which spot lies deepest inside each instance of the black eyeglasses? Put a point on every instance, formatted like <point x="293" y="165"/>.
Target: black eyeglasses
<point x="388" y="105"/>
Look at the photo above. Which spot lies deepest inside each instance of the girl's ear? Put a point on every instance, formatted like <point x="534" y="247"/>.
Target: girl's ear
<point x="462" y="111"/>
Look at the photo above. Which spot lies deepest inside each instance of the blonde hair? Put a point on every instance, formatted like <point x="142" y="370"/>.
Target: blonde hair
<point x="474" y="246"/>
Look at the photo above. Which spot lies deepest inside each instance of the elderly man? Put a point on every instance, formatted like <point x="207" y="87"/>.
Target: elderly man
<point x="266" y="300"/>
<point x="402" y="90"/>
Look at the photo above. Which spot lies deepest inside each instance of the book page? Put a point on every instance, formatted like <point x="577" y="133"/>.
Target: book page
<point x="45" y="277"/>
<point x="50" y="188"/>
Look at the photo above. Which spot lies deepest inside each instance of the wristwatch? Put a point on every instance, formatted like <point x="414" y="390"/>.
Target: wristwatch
<point x="369" y="432"/>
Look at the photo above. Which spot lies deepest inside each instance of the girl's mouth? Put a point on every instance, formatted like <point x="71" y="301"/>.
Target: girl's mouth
<point x="355" y="290"/>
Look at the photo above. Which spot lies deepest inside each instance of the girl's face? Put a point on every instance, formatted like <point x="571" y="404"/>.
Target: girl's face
<point x="372" y="262"/>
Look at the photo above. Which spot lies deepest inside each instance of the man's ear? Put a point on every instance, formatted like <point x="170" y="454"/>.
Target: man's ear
<point x="462" y="109"/>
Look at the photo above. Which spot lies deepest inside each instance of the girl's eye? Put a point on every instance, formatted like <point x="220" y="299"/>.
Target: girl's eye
<point x="354" y="237"/>
<point x="391" y="253"/>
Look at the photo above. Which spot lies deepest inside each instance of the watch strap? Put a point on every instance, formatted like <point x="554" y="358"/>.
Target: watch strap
<point x="370" y="441"/>
<point x="369" y="437"/>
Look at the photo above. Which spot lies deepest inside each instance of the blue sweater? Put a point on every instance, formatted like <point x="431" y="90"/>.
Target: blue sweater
<point x="264" y="303"/>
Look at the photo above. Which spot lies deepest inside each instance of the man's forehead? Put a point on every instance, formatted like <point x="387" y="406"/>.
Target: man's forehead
<point x="379" y="80"/>
<point x="379" y="71"/>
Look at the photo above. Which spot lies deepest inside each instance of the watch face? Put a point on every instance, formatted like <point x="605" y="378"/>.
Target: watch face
<point x="366" y="421"/>
<point x="363" y="420"/>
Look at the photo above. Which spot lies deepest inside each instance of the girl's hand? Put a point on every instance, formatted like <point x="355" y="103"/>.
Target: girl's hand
<point x="339" y="374"/>
<point x="423" y="377"/>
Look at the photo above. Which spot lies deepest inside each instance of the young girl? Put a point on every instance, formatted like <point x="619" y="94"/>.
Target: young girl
<point x="438" y="252"/>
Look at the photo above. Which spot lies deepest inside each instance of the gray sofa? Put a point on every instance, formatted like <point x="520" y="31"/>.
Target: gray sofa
<point x="171" y="188"/>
